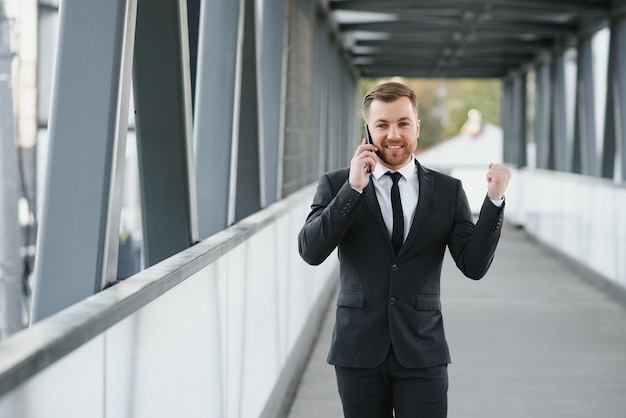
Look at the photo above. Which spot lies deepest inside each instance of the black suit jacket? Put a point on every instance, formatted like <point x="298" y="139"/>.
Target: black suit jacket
<point x="386" y="300"/>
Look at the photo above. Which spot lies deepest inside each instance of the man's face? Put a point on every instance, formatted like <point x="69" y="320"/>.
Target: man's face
<point x="395" y="128"/>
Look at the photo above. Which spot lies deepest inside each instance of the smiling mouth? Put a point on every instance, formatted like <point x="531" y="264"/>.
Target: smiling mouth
<point x="394" y="147"/>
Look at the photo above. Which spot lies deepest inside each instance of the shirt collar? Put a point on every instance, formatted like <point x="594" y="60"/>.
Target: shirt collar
<point x="408" y="171"/>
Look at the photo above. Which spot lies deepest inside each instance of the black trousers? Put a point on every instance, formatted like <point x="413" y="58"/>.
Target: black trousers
<point x="392" y="389"/>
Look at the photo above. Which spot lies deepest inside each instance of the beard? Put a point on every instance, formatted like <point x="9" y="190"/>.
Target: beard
<point x="397" y="158"/>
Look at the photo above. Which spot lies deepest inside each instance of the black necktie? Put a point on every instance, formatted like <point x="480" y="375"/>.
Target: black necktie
<point x="397" y="234"/>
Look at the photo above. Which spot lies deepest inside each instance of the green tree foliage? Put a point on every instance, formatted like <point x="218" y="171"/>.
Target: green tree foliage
<point x="444" y="104"/>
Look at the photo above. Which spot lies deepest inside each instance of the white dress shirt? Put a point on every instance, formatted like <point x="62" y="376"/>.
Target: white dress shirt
<point x="409" y="193"/>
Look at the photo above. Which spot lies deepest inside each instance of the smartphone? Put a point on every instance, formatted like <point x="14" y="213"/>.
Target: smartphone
<point x="368" y="139"/>
<point x="368" y="136"/>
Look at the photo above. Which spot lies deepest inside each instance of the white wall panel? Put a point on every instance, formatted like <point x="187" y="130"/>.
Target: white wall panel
<point x="170" y="353"/>
<point x="213" y="345"/>
<point x="579" y="216"/>
<point x="73" y="387"/>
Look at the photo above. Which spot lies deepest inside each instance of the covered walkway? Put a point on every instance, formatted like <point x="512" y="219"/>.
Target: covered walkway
<point x="178" y="144"/>
<point x="534" y="338"/>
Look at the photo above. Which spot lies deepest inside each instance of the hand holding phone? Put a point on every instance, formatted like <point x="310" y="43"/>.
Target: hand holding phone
<point x="362" y="163"/>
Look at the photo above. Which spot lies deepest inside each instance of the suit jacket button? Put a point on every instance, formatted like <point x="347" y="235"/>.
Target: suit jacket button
<point x="392" y="300"/>
<point x="394" y="267"/>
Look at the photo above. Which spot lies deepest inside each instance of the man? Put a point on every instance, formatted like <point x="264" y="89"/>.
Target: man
<point x="388" y="347"/>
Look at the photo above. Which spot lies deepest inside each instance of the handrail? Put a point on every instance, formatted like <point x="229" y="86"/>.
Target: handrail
<point x="31" y="350"/>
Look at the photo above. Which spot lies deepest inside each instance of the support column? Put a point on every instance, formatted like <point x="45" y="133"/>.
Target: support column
<point x="322" y="100"/>
<point x="228" y="134"/>
<point x="335" y="143"/>
<point x="514" y="120"/>
<point x="615" y="128"/>
<point x="273" y="59"/>
<point x="217" y="83"/>
<point x="521" y="159"/>
<point x="246" y="155"/>
<point x="78" y="235"/>
<point x="584" y="155"/>
<point x="559" y="150"/>
<point x="348" y="120"/>
<point x="162" y="93"/>
<point x="543" y="115"/>
<point x="507" y="120"/>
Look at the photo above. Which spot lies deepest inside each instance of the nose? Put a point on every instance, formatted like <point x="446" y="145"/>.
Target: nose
<point x="393" y="132"/>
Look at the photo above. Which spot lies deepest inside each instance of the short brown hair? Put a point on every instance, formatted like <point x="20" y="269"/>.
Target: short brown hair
<point x="388" y="92"/>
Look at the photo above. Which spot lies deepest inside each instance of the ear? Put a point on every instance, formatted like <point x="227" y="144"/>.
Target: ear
<point x="417" y="128"/>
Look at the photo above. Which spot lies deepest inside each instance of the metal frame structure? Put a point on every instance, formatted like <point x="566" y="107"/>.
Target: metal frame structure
<point x="451" y="38"/>
<point x="202" y="166"/>
<point x="266" y="100"/>
<point x="77" y="240"/>
<point x="164" y="128"/>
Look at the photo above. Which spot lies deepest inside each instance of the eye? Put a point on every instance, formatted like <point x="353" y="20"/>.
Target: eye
<point x="381" y="125"/>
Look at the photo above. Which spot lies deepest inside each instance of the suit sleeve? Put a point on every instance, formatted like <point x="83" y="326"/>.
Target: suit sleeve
<point x="473" y="246"/>
<point x="332" y="212"/>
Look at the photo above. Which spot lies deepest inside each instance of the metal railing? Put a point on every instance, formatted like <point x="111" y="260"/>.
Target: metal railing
<point x="215" y="330"/>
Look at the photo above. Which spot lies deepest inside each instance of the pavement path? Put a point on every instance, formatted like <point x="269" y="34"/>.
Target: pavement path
<point x="531" y="339"/>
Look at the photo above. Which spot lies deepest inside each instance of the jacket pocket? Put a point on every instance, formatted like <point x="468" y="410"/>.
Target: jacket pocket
<point x="427" y="303"/>
<point x="351" y="300"/>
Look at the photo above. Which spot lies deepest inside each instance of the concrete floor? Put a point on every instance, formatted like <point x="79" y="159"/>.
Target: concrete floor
<point x="532" y="339"/>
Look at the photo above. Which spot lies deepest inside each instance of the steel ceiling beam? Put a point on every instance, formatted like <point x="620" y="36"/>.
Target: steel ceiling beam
<point x="433" y="36"/>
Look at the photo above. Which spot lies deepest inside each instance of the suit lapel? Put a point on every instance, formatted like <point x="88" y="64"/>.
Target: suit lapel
<point x="423" y="203"/>
<point x="372" y="202"/>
